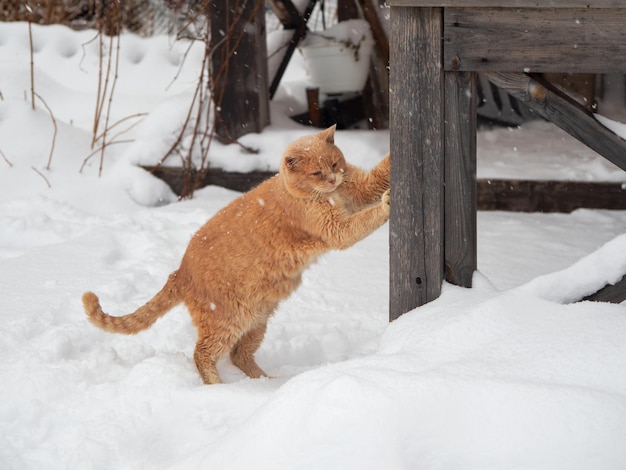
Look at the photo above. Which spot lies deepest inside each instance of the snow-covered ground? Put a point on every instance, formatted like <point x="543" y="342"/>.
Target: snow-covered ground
<point x="504" y="375"/>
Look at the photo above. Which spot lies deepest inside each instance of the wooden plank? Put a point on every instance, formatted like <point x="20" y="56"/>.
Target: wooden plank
<point x="460" y="177"/>
<point x="552" y="104"/>
<point x="177" y="177"/>
<point x="535" y="40"/>
<point x="511" y="3"/>
<point x="416" y="97"/>
<point x="549" y="196"/>
<point x="614" y="293"/>
<point x="239" y="68"/>
<point x="491" y="194"/>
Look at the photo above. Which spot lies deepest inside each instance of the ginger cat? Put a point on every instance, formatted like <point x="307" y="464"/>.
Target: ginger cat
<point x="251" y="254"/>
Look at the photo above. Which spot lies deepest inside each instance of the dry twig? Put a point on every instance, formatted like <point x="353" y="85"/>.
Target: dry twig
<point x="42" y="175"/>
<point x="204" y="110"/>
<point x="110" y="102"/>
<point x="54" y="124"/>
<point x="119" y="121"/>
<point x="4" y="157"/>
<point x="32" y="59"/>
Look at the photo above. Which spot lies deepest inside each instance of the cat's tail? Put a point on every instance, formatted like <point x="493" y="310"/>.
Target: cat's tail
<point x="142" y="318"/>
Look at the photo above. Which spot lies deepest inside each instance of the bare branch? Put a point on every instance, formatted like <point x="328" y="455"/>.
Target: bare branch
<point x="54" y="135"/>
<point x="99" y="149"/>
<point x="42" y="175"/>
<point x="119" y="121"/>
<point x="32" y="63"/>
<point x="6" y="159"/>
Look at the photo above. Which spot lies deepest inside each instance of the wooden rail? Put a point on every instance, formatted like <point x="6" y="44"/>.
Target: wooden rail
<point x="492" y="194"/>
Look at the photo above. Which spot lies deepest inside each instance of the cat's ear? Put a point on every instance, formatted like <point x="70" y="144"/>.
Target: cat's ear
<point x="328" y="135"/>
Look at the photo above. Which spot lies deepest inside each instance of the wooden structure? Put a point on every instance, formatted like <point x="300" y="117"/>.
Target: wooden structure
<point x="437" y="48"/>
<point x="241" y="92"/>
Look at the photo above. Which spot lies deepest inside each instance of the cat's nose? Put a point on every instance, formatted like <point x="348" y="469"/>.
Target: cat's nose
<point x="332" y="179"/>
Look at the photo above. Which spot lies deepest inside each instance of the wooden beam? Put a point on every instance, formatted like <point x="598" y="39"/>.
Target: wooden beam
<point x="416" y="98"/>
<point x="554" y="105"/>
<point x="584" y="40"/>
<point x="549" y="196"/>
<point x="492" y="194"/>
<point x="511" y="3"/>
<point x="176" y="177"/>
<point x="460" y="177"/>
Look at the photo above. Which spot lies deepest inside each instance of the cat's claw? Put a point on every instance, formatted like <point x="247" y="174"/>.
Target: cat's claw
<point x="386" y="197"/>
<point x="386" y="201"/>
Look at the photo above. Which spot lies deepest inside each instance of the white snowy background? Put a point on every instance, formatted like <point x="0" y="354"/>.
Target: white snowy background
<point x="505" y="375"/>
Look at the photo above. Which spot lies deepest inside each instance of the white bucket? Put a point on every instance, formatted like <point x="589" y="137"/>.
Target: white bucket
<point x="338" y="68"/>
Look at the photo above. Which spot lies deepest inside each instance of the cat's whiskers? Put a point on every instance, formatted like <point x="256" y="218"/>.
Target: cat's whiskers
<point x="319" y="193"/>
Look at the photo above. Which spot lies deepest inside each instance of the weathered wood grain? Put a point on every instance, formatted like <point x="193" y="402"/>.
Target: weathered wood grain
<point x="584" y="40"/>
<point x="176" y="178"/>
<point x="430" y="37"/>
<point x="549" y="196"/>
<point x="416" y="97"/>
<point x="554" y="105"/>
<point x="460" y="177"/>
<point x="511" y="3"/>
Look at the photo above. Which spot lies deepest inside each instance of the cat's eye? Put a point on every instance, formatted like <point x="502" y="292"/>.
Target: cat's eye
<point x="317" y="173"/>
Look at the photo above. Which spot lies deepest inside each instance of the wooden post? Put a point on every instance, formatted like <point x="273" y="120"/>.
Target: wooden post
<point x="239" y="67"/>
<point x="313" y="102"/>
<point x="417" y="152"/>
<point x="460" y="177"/>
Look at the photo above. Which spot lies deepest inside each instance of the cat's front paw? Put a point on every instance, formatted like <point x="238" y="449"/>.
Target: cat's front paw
<point x="386" y="201"/>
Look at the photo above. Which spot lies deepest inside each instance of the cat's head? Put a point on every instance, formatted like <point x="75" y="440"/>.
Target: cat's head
<point x="313" y="165"/>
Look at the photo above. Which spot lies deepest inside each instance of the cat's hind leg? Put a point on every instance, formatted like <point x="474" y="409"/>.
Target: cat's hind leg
<point x="208" y="351"/>
<point x="215" y="339"/>
<point x="242" y="354"/>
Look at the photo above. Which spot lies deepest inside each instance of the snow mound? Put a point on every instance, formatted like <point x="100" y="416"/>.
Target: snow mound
<point x="507" y="377"/>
